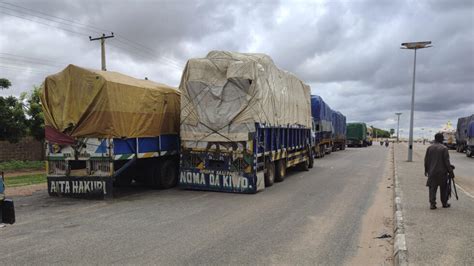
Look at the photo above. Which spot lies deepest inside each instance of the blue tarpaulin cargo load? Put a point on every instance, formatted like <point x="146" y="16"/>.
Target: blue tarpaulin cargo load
<point x="470" y="139"/>
<point x="462" y="132"/>
<point x="339" y="125"/>
<point x="470" y="131"/>
<point x="330" y="127"/>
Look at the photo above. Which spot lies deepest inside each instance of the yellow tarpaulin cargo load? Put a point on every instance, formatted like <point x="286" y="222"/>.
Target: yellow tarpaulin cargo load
<point x="92" y="103"/>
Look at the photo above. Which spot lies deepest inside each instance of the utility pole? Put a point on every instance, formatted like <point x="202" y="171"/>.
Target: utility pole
<point x="398" y="126"/>
<point x="102" y="46"/>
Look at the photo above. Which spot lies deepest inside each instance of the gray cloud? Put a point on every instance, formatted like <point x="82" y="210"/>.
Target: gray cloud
<point x="348" y="51"/>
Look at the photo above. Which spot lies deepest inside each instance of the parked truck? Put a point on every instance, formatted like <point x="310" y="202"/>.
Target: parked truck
<point x="470" y="139"/>
<point x="461" y="132"/>
<point x="104" y="129"/>
<point x="329" y="128"/>
<point x="449" y="135"/>
<point x="357" y="135"/>
<point x="243" y="123"/>
<point x="323" y="128"/>
<point x="339" y="131"/>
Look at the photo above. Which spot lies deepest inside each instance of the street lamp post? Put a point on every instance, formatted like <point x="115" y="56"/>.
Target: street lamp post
<point x="423" y="135"/>
<point x="413" y="46"/>
<point x="398" y="126"/>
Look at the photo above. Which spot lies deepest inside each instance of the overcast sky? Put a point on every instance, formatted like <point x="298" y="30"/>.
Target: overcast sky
<point x="347" y="51"/>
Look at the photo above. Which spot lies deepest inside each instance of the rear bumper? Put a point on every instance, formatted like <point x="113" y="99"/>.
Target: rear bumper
<point x="222" y="181"/>
<point x="90" y="187"/>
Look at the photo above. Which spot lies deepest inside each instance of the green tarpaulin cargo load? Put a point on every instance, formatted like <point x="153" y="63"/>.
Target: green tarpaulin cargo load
<point x="82" y="102"/>
<point x="226" y="93"/>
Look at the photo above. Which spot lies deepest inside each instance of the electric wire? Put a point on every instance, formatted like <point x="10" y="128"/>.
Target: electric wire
<point x="140" y="48"/>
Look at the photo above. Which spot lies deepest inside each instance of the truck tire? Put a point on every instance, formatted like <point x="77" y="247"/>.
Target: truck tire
<point x="280" y="172"/>
<point x="311" y="157"/>
<point x="168" y="174"/>
<point x="153" y="175"/>
<point x="304" y="166"/>
<point x="269" y="174"/>
<point x="468" y="152"/>
<point x="123" y="181"/>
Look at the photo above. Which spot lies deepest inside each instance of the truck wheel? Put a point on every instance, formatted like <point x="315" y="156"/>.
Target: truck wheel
<point x="311" y="158"/>
<point x="329" y="150"/>
<point x="123" y="181"/>
<point x="304" y="166"/>
<point x="280" y="170"/>
<point x="311" y="161"/>
<point x="269" y="174"/>
<point x="152" y="178"/>
<point x="468" y="152"/>
<point x="168" y="174"/>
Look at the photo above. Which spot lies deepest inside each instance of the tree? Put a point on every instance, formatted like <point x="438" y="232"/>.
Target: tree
<point x="392" y="131"/>
<point x="34" y="111"/>
<point x="4" y="83"/>
<point x="12" y="119"/>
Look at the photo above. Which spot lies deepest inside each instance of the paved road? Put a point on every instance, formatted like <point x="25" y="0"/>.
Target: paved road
<point x="464" y="171"/>
<point x="434" y="237"/>
<point x="312" y="217"/>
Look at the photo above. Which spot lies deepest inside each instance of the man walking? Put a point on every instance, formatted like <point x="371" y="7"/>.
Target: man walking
<point x="437" y="169"/>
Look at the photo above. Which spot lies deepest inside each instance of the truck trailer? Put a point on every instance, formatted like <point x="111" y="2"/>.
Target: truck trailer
<point x="461" y="132"/>
<point x="470" y="139"/>
<point x="357" y="135"/>
<point x="104" y="128"/>
<point x="329" y="127"/>
<point x="339" y="131"/>
<point x="243" y="123"/>
<point x="323" y="129"/>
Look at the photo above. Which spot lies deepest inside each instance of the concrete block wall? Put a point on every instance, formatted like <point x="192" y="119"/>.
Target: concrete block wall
<point x="27" y="149"/>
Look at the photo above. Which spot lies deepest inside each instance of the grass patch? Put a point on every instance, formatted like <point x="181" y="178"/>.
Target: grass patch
<point x="21" y="165"/>
<point x="25" y="180"/>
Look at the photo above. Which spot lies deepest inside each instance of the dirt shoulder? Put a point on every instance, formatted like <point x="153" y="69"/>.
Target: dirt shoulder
<point x="24" y="190"/>
<point x="377" y="221"/>
<point x="24" y="172"/>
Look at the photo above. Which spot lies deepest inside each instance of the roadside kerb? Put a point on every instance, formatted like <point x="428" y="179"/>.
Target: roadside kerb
<point x="400" y="252"/>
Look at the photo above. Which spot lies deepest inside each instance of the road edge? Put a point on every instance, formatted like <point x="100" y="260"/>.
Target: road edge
<point x="400" y="251"/>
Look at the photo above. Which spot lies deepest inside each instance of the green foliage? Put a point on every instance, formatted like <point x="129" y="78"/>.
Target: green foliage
<point x="21" y="165"/>
<point x="12" y="119"/>
<point x="34" y="111"/>
<point x="4" y="83"/>
<point x="380" y="133"/>
<point x="25" y="180"/>
<point x="392" y="131"/>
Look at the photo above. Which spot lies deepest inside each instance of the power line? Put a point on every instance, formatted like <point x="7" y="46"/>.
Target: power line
<point x="28" y="61"/>
<point x="34" y="58"/>
<point x="25" y="69"/>
<point x="49" y="25"/>
<point x="39" y="12"/>
<point x="140" y="48"/>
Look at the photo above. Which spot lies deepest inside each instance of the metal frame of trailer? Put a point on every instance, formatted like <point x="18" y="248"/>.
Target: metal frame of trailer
<point x="91" y="167"/>
<point x="247" y="166"/>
